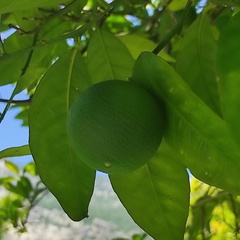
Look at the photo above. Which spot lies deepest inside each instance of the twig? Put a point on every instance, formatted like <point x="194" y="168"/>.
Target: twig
<point x="25" y="101"/>
<point x="174" y="31"/>
<point x="24" y="69"/>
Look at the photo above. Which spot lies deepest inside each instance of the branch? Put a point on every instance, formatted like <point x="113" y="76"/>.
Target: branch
<point x="25" y="101"/>
<point x="175" y="30"/>
<point x="24" y="69"/>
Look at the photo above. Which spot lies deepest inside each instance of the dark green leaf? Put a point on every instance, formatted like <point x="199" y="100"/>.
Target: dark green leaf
<point x="229" y="73"/>
<point x="156" y="195"/>
<point x="108" y="58"/>
<point x="23" y="115"/>
<point x="201" y="137"/>
<point x="196" y="62"/>
<point x="66" y="176"/>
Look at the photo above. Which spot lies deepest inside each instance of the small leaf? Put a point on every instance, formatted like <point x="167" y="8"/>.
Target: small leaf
<point x="22" y="188"/>
<point x="12" y="167"/>
<point x="15" y="152"/>
<point x="66" y="176"/>
<point x="30" y="168"/>
<point x="156" y="195"/>
<point x="108" y="58"/>
<point x="6" y="180"/>
<point x="177" y="5"/>
<point x="137" y="44"/>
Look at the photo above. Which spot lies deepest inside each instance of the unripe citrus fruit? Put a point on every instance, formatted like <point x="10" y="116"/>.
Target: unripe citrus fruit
<point x="115" y="126"/>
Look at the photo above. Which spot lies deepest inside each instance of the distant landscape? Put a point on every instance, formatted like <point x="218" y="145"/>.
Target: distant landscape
<point x="107" y="220"/>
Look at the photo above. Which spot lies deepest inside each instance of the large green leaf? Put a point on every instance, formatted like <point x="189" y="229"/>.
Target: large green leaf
<point x="157" y="195"/>
<point x="108" y="58"/>
<point x="200" y="136"/>
<point x="17" y="5"/>
<point x="196" y="61"/>
<point x="229" y="73"/>
<point x="66" y="176"/>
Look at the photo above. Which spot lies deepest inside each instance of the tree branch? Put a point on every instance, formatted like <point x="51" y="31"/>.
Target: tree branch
<point x="25" y="101"/>
<point x="174" y="31"/>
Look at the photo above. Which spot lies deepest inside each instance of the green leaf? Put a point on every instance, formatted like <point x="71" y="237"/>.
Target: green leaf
<point x="202" y="139"/>
<point x="30" y="168"/>
<point x="31" y="76"/>
<point x="176" y="5"/>
<point x="136" y="44"/>
<point x="11" y="68"/>
<point x="11" y="166"/>
<point x="196" y="61"/>
<point x="22" y="188"/>
<point x="202" y="213"/>
<point x="108" y="58"/>
<point x="156" y="195"/>
<point x="6" y="180"/>
<point x="229" y="73"/>
<point x="15" y="152"/>
<point x="16" y="5"/>
<point x="66" y="176"/>
<point x="23" y="115"/>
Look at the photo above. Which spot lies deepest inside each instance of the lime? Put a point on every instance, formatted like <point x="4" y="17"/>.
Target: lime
<point x="115" y="126"/>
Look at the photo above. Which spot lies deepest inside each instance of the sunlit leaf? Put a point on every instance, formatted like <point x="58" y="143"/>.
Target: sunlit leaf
<point x="12" y="166"/>
<point x="177" y="5"/>
<point x="137" y="44"/>
<point x="5" y="180"/>
<point x="157" y="195"/>
<point x="108" y="58"/>
<point x="30" y="168"/>
<point x="15" y="152"/>
<point x="66" y="176"/>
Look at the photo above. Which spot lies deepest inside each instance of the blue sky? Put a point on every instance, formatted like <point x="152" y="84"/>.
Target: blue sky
<point x="12" y="133"/>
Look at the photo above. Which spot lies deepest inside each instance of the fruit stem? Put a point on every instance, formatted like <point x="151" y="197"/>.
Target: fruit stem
<point x="175" y="30"/>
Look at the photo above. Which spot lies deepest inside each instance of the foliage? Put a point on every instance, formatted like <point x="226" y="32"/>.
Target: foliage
<point x="23" y="195"/>
<point x="60" y="48"/>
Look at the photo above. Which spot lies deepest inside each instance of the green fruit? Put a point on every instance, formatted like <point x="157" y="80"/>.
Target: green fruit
<point x="115" y="126"/>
